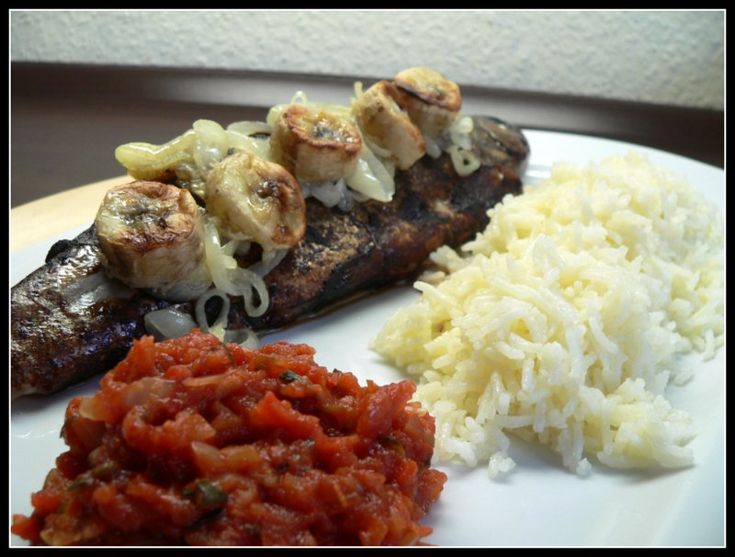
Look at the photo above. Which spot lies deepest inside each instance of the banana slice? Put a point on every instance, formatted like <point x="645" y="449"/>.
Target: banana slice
<point x="431" y="100"/>
<point x="315" y="145"/>
<point x="256" y="199"/>
<point x="151" y="238"/>
<point x="382" y="120"/>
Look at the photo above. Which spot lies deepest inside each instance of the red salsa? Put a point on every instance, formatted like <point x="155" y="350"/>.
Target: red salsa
<point x="192" y="442"/>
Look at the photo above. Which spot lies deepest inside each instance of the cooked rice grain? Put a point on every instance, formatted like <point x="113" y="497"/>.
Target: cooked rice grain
<point x="564" y="320"/>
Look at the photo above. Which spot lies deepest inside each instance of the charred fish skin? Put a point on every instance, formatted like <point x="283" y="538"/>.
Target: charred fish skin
<point x="58" y="339"/>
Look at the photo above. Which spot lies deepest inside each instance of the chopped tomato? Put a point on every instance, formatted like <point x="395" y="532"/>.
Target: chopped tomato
<point x="191" y="441"/>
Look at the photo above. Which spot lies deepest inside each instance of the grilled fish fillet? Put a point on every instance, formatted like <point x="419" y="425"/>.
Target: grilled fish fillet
<point x="67" y="325"/>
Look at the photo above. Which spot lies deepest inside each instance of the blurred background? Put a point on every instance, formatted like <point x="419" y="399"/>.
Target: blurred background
<point x="83" y="82"/>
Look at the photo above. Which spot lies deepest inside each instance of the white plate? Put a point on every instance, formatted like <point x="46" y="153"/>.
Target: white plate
<point x="540" y="503"/>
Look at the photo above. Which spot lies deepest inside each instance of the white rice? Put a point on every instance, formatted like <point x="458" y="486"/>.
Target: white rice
<point x="564" y="320"/>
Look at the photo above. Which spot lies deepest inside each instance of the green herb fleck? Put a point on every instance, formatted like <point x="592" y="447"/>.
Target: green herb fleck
<point x="289" y="376"/>
<point x="105" y="470"/>
<point x="205" y="495"/>
<point x="80" y="482"/>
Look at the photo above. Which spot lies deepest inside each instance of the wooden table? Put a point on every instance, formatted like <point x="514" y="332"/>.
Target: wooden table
<point x="50" y="216"/>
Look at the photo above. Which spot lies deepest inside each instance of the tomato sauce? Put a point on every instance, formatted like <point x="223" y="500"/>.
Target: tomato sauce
<point x="192" y="442"/>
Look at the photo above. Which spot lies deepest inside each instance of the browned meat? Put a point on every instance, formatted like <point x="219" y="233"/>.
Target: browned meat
<point x="62" y="334"/>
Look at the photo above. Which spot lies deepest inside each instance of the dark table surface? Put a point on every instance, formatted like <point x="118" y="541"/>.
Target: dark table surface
<point x="66" y="120"/>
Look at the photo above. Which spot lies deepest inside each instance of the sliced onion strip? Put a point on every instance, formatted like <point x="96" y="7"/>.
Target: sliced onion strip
<point x="220" y="323"/>
<point x="245" y="337"/>
<point x="168" y="323"/>
<point x="464" y="162"/>
<point x="249" y="127"/>
<point x="432" y="147"/>
<point x="231" y="279"/>
<point x="269" y="261"/>
<point x="371" y="178"/>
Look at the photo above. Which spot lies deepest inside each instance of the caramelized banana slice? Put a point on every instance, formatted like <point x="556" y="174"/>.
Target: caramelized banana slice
<point x="431" y="100"/>
<point x="382" y="120"/>
<point x="151" y="237"/>
<point x="315" y="145"/>
<point x="256" y="199"/>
